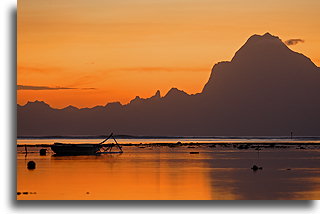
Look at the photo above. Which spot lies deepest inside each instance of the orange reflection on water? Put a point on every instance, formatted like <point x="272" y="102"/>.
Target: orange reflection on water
<point x="163" y="173"/>
<point x="117" y="177"/>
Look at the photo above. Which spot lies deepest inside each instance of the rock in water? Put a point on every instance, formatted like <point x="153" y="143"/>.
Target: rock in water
<point x="31" y="165"/>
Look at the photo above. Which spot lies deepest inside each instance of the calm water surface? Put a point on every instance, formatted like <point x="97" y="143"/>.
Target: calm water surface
<point x="160" y="172"/>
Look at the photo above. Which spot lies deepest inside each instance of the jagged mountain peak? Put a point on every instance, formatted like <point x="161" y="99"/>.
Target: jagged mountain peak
<point x="36" y="103"/>
<point x="70" y="108"/>
<point x="157" y="94"/>
<point x="175" y="92"/>
<point x="262" y="60"/>
<point x="261" y="46"/>
<point x="266" y="36"/>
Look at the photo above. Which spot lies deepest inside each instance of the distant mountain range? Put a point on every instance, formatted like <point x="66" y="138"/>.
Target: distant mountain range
<point x="265" y="90"/>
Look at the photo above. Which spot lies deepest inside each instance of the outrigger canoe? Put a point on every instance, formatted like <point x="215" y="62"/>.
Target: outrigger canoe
<point x="85" y="148"/>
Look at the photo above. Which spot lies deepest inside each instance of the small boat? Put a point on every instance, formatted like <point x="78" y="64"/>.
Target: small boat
<point x="85" y="148"/>
<point x="75" y="149"/>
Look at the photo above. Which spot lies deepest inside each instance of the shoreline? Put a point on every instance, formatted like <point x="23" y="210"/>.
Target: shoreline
<point x="245" y="145"/>
<point x="165" y="137"/>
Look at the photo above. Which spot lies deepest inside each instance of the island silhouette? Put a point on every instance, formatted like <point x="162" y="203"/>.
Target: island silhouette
<point x="265" y="90"/>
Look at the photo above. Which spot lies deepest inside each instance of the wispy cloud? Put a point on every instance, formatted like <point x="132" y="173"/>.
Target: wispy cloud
<point x="32" y="87"/>
<point x="294" y="41"/>
<point x="162" y="69"/>
<point x="36" y="69"/>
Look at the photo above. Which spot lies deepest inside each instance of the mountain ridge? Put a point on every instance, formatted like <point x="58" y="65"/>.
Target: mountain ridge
<point x="265" y="89"/>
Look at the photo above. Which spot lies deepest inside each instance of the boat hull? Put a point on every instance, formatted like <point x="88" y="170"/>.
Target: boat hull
<point x="75" y="149"/>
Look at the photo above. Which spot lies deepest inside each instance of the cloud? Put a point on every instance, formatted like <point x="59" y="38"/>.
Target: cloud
<point x="32" y="87"/>
<point x="161" y="69"/>
<point x="294" y="41"/>
<point x="44" y="70"/>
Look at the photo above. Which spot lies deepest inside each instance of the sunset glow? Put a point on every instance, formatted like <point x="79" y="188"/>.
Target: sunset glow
<point x="88" y="53"/>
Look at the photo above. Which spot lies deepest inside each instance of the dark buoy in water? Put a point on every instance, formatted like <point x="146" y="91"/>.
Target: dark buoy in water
<point x="43" y="152"/>
<point x="254" y="168"/>
<point x="194" y="152"/>
<point x="31" y="165"/>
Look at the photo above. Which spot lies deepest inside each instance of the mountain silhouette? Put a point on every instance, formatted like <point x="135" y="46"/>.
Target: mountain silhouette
<point x="265" y="90"/>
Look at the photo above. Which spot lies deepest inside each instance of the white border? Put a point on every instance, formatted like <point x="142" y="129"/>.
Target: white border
<point x="7" y="192"/>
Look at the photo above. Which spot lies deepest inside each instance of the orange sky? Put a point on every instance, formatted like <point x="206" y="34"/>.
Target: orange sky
<point x="100" y="51"/>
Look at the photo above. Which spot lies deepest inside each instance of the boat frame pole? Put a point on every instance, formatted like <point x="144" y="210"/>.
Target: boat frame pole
<point x="111" y="135"/>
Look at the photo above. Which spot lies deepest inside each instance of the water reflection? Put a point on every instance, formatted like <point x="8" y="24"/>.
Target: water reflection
<point x="281" y="178"/>
<point x="153" y="173"/>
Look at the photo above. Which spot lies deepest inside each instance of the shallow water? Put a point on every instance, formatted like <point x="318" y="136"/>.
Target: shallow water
<point x="171" y="173"/>
<point x="31" y="141"/>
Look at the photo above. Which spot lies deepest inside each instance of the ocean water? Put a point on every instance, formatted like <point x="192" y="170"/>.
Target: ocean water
<point x="35" y="141"/>
<point x="152" y="172"/>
